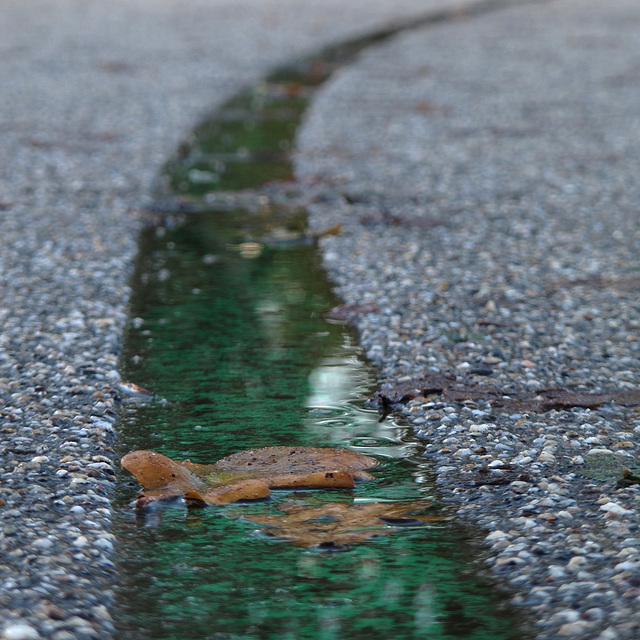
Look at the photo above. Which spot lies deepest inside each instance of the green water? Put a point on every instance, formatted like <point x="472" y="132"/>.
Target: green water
<point x="228" y="331"/>
<point x="240" y="356"/>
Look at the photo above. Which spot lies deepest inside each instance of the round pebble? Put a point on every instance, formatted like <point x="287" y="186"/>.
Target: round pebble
<point x="20" y="632"/>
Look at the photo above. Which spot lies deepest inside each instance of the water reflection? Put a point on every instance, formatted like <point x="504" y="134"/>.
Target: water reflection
<point x="215" y="579"/>
<point x="336" y="389"/>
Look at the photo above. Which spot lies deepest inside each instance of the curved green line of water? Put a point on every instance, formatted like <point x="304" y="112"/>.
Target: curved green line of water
<point x="228" y="331"/>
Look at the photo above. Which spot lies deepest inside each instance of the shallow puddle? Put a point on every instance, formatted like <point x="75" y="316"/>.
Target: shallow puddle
<point x="239" y="355"/>
<point x="229" y="332"/>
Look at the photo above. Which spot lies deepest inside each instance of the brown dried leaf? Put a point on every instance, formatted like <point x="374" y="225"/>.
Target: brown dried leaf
<point x="247" y="475"/>
<point x="155" y="471"/>
<point x="269" y="461"/>
<point x="339" y="479"/>
<point x="337" y="524"/>
<point x="243" y="490"/>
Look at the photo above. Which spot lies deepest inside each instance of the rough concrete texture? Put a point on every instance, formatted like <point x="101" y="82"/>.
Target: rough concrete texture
<point x="489" y="168"/>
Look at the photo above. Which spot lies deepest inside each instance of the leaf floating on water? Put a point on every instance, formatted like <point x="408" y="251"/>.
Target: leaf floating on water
<point x="243" y="490"/>
<point x="271" y="461"/>
<point x="155" y="471"/>
<point x="248" y="475"/>
<point x="335" y="525"/>
<point x="339" y="479"/>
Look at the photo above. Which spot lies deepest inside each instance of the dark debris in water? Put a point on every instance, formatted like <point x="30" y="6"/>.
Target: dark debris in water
<point x="455" y="390"/>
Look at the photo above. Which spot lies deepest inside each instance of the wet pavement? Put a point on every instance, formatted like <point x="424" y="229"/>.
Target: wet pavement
<point x="484" y="171"/>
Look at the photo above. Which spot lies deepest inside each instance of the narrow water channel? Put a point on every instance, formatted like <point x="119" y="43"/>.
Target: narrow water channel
<point x="228" y="330"/>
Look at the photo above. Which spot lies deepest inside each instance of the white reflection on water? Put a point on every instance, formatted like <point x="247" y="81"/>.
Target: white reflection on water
<point x="424" y="615"/>
<point x="338" y="386"/>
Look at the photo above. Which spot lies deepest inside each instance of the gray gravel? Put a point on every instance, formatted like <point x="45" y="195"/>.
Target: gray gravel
<point x="95" y="97"/>
<point x="485" y="172"/>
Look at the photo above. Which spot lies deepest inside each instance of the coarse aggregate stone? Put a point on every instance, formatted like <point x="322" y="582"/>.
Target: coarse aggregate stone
<point x="484" y="172"/>
<point x="95" y="98"/>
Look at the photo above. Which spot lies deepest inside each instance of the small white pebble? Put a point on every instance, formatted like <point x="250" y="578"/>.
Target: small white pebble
<point x="574" y="629"/>
<point x="497" y="535"/>
<point x="20" y="632"/>
<point x="43" y="543"/>
<point x="103" y="543"/>
<point x="556" y="572"/>
<point x="478" y="428"/>
<point x="80" y="542"/>
<point x="79" y="623"/>
<point x="566" y="615"/>
<point x="613" y="510"/>
<point x="576" y="563"/>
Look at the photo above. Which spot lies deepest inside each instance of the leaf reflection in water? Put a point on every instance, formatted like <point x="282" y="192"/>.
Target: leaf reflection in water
<point x="335" y="525"/>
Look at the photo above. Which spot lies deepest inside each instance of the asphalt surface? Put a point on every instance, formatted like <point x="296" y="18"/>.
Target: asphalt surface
<point x="516" y="128"/>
